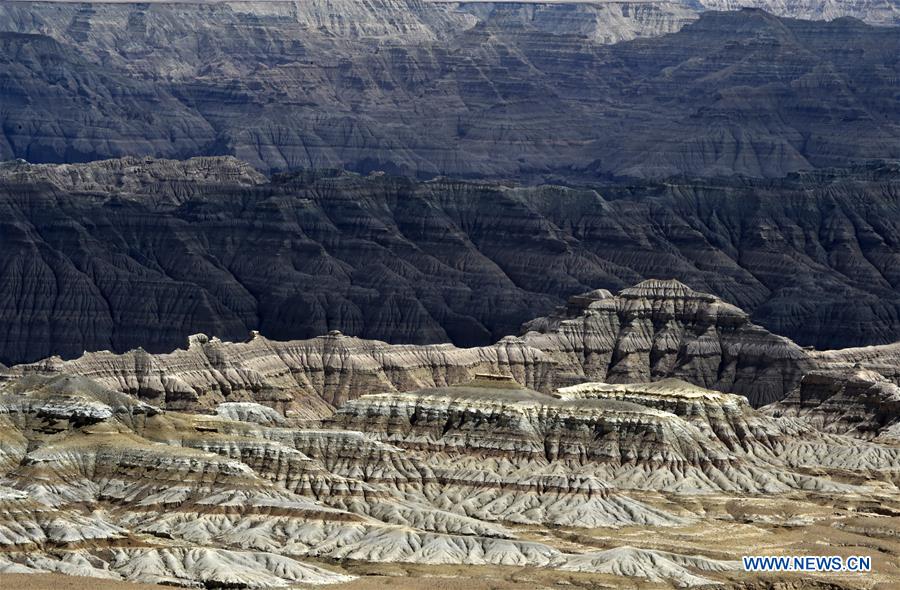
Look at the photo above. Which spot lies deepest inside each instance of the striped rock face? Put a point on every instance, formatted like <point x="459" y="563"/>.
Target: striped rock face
<point x="219" y="249"/>
<point x="94" y="482"/>
<point x="424" y="88"/>
<point x="667" y="435"/>
<point x="654" y="330"/>
<point x="855" y="401"/>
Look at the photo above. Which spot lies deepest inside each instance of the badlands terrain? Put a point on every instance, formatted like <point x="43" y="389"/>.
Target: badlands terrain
<point x="584" y="452"/>
<point x="528" y="91"/>
<point x="448" y="294"/>
<point x="665" y="482"/>
<point x="654" y="330"/>
<point x="127" y="253"/>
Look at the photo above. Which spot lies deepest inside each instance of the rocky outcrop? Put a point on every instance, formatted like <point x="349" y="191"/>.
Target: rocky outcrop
<point x="173" y="499"/>
<point x="877" y="12"/>
<point x="663" y="329"/>
<point x="727" y="420"/>
<point x="655" y="566"/>
<point x="601" y="22"/>
<point x="722" y="417"/>
<point x="655" y="330"/>
<point x="884" y="360"/>
<point x="857" y="401"/>
<point x="180" y="566"/>
<point x="664" y="436"/>
<point x="580" y="15"/>
<point x="161" y="183"/>
<point x="417" y="88"/>
<point x="451" y="475"/>
<point x="250" y="412"/>
<point x="303" y="379"/>
<point x="120" y="254"/>
<point x="479" y="474"/>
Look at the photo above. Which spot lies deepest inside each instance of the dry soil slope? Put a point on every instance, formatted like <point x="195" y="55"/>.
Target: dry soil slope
<point x="95" y="483"/>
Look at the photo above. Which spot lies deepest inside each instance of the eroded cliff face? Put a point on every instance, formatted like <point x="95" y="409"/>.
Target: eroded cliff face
<point x="305" y="379"/>
<point x="878" y="12"/>
<point x="661" y="329"/>
<point x="856" y="401"/>
<point x="664" y="436"/>
<point x="96" y="483"/>
<point x="655" y="330"/>
<point x="608" y="22"/>
<point x="116" y="255"/>
<point x="884" y="360"/>
<point x="601" y="22"/>
<point x="421" y="89"/>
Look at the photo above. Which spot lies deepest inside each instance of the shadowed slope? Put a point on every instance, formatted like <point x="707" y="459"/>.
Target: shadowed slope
<point x="654" y="330"/>
<point x="414" y="88"/>
<point x="119" y="254"/>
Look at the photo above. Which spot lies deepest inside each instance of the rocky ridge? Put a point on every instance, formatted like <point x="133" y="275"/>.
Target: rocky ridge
<point x="856" y="401"/>
<point x="121" y="490"/>
<point x="420" y="89"/>
<point x="601" y="22"/>
<point x="214" y="501"/>
<point x="655" y="330"/>
<point x="119" y="254"/>
<point x="726" y="419"/>
<point x="884" y="360"/>
<point x="668" y="436"/>
<point x="663" y="329"/>
<point x="879" y="12"/>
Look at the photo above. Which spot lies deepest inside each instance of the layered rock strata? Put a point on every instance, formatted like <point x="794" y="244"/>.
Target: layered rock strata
<point x="126" y="253"/>
<point x="879" y="12"/>
<point x="727" y="420"/>
<point x="857" y="401"/>
<point x="663" y="329"/>
<point x="418" y="88"/>
<point x="655" y="330"/>
<point x="303" y="379"/>
<point x="96" y="483"/>
<point x="884" y="360"/>
<point x="666" y="436"/>
<point x="121" y="490"/>
<point x="601" y="22"/>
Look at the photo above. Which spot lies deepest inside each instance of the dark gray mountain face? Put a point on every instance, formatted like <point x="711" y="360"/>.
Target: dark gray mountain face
<point x="430" y="91"/>
<point x="127" y="253"/>
<point x="58" y="106"/>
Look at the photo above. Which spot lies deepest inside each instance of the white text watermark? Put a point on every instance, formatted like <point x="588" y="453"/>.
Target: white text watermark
<point x="807" y="563"/>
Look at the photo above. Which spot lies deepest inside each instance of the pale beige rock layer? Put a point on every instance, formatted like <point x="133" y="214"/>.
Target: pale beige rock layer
<point x="663" y="436"/>
<point x="655" y="330"/>
<point x="121" y="490"/>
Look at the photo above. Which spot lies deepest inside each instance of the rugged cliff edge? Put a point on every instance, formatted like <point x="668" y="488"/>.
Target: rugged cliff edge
<point x="602" y="375"/>
<point x="96" y="483"/>
<point x="655" y="330"/>
<point x="856" y="401"/>
<point x="419" y="89"/>
<point x="119" y="254"/>
<point x="661" y="329"/>
<point x="667" y="436"/>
